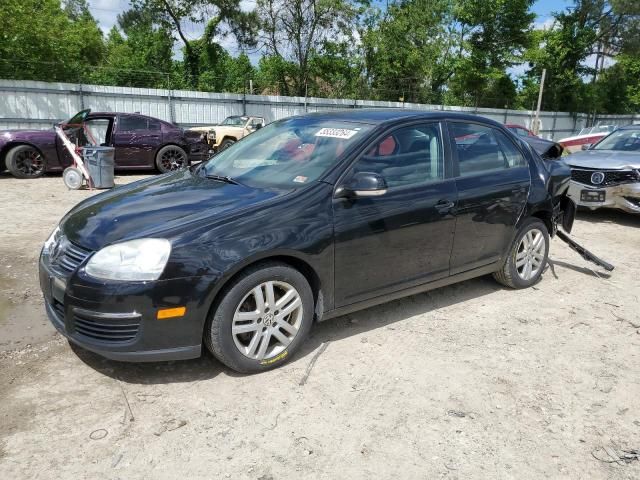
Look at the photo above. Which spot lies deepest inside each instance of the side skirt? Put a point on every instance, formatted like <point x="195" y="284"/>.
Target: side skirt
<point x="425" y="287"/>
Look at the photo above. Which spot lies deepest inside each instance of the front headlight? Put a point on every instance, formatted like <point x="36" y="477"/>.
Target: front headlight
<point x="135" y="260"/>
<point x="52" y="240"/>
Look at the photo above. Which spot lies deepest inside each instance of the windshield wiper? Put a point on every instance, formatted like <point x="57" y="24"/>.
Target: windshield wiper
<point x="222" y="178"/>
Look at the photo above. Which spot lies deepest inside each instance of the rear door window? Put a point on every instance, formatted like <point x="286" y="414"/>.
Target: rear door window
<point x="484" y="149"/>
<point x="129" y="123"/>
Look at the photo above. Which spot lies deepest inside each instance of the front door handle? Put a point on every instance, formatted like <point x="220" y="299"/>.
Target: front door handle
<point x="443" y="206"/>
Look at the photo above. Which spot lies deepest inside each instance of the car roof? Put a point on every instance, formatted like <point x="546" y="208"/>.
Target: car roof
<point x="135" y="114"/>
<point x="629" y="127"/>
<point x="377" y="116"/>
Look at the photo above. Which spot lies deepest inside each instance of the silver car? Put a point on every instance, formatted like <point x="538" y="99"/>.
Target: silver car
<point x="608" y="173"/>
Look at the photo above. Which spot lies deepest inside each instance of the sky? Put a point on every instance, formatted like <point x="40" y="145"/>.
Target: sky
<point x="106" y="13"/>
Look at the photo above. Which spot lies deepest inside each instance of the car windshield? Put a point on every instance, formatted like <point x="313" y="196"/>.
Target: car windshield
<point x="235" y="121"/>
<point x="598" y="129"/>
<point x="624" y="140"/>
<point x="288" y="153"/>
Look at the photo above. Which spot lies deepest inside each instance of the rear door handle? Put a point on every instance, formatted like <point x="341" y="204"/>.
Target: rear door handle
<point x="443" y="206"/>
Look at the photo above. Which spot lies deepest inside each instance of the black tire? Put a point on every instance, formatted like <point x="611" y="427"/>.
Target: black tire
<point x="170" y="158"/>
<point x="218" y="336"/>
<point x="25" y="161"/>
<point x="226" y="143"/>
<point x="510" y="275"/>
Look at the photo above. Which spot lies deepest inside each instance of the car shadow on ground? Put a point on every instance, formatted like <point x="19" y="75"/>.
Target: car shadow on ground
<point x="386" y="315"/>
<point x="607" y="215"/>
<point x="207" y="367"/>
<point x="204" y="368"/>
<point x="593" y="272"/>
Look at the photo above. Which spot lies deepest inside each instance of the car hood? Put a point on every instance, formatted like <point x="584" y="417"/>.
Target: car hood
<point x="161" y="206"/>
<point x="604" y="159"/>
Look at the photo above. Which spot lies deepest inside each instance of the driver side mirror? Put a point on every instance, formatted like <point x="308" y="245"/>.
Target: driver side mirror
<point x="586" y="146"/>
<point x="362" y="185"/>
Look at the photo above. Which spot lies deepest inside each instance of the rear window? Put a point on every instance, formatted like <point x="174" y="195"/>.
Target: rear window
<point x="129" y="123"/>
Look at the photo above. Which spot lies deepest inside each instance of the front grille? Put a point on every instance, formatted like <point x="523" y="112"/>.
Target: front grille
<point x="611" y="177"/>
<point x="70" y="258"/>
<point x="103" y="327"/>
<point x="58" y="312"/>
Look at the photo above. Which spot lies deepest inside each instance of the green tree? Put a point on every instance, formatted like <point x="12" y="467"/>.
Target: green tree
<point x="408" y="50"/>
<point x="220" y="17"/>
<point x="617" y="90"/>
<point x="39" y="40"/>
<point x="493" y="36"/>
<point x="336" y="70"/>
<point x="238" y="72"/>
<point x="274" y="74"/>
<point x="295" y="30"/>
<point x="138" y="53"/>
<point x="588" y="28"/>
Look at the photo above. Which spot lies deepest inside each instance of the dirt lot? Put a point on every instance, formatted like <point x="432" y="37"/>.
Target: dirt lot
<point x="469" y="381"/>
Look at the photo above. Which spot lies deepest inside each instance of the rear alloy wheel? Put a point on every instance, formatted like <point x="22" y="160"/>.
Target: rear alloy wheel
<point x="527" y="256"/>
<point x="25" y="161"/>
<point x="262" y="318"/>
<point x="171" y="158"/>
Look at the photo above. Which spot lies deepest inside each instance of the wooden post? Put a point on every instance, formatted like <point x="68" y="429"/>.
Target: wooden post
<point x="536" y="123"/>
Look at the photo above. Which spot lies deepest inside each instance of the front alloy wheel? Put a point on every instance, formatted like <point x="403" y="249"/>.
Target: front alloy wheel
<point x="261" y="319"/>
<point x="267" y="320"/>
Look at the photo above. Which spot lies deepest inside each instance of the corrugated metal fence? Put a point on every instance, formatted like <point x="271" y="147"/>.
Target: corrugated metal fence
<point x="29" y="104"/>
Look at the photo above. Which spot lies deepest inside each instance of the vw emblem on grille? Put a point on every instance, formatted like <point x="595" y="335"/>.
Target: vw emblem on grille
<point x="597" y="178"/>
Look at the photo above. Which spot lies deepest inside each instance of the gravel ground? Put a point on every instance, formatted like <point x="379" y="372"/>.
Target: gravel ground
<point x="469" y="381"/>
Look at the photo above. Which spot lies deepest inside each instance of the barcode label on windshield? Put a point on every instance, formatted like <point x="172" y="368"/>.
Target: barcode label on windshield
<point x="343" y="133"/>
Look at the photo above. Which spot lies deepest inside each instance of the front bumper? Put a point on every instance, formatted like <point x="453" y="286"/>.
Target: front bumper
<point x="199" y="152"/>
<point x="118" y="320"/>
<point x="624" y="197"/>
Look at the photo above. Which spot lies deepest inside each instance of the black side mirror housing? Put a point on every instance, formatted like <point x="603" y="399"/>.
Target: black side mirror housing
<point x="363" y="185"/>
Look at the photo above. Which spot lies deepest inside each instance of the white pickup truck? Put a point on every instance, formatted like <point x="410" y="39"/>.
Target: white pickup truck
<point x="231" y="130"/>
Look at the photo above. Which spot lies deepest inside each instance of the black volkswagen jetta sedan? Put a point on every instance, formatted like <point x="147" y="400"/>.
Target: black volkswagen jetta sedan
<point x="308" y="218"/>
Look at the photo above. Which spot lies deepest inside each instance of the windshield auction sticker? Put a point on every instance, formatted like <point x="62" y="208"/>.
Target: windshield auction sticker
<point x="343" y="133"/>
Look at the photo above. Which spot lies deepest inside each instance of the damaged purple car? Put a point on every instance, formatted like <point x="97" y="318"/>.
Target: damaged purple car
<point x="141" y="143"/>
